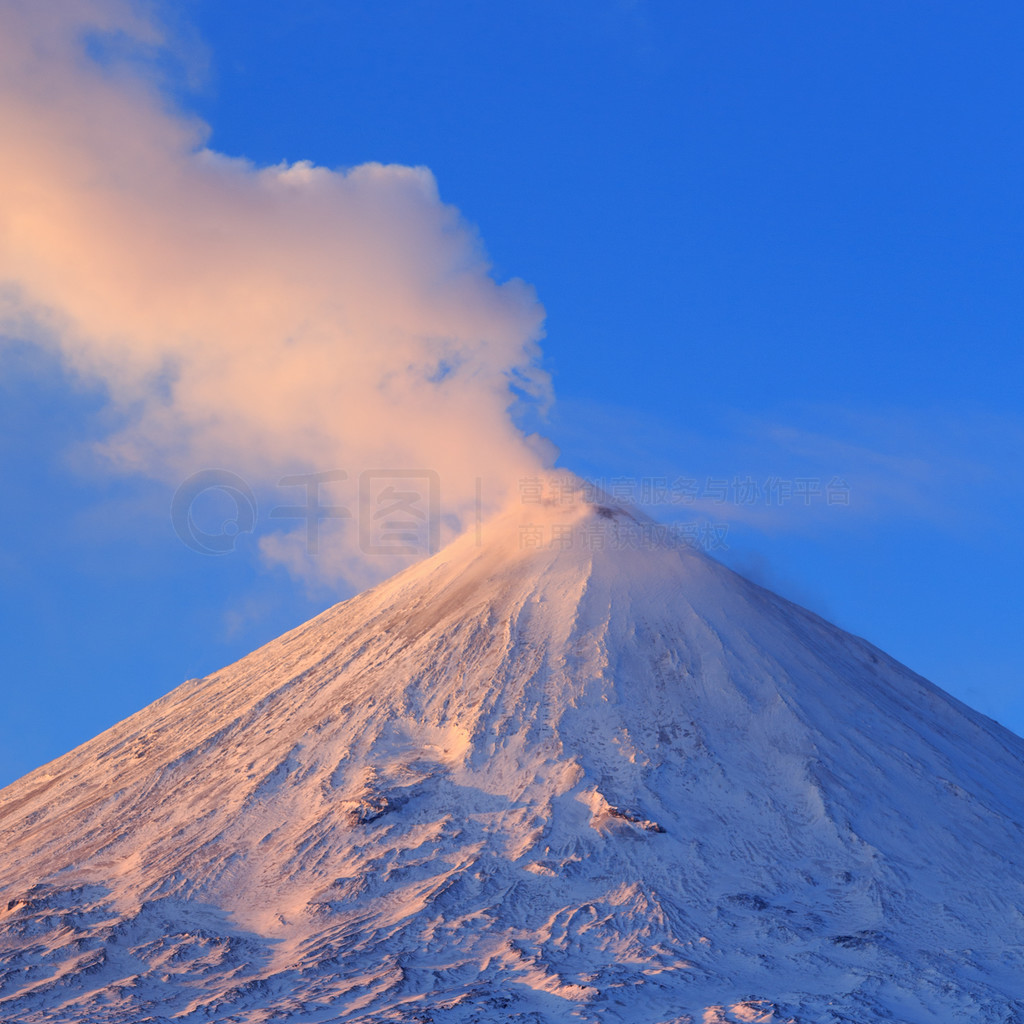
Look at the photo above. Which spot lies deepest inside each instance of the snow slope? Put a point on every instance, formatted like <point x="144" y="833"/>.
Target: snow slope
<point x="604" y="779"/>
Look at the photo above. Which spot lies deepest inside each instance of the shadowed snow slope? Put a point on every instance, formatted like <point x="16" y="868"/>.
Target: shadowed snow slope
<point x="604" y="779"/>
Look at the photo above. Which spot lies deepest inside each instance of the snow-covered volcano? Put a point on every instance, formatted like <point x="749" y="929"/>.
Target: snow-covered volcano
<point x="565" y="771"/>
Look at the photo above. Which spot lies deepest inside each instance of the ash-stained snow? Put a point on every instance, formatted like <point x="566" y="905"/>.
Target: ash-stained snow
<point x="601" y="780"/>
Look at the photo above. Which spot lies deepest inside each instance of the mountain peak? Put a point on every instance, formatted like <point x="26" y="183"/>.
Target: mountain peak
<point x="562" y="512"/>
<point x="568" y="769"/>
<point x="538" y="541"/>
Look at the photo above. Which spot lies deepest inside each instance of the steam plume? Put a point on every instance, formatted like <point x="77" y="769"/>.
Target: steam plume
<point x="273" y="320"/>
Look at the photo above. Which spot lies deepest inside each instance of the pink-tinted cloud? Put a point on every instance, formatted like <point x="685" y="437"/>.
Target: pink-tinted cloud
<point x="269" y="319"/>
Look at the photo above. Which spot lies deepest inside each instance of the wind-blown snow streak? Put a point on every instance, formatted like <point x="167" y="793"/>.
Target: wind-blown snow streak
<point x="576" y="783"/>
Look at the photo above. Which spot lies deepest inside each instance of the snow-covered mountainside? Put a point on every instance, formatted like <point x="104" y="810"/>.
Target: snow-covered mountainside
<point x="599" y="779"/>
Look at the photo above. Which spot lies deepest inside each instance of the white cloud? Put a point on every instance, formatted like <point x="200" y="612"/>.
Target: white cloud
<point x="267" y="319"/>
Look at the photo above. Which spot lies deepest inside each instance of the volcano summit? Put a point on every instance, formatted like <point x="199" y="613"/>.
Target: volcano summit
<point x="598" y="779"/>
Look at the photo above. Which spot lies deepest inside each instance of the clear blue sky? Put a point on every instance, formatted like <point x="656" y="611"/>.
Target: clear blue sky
<point x="777" y="241"/>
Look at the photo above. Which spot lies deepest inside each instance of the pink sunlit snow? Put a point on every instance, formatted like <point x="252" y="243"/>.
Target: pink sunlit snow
<point x="603" y="779"/>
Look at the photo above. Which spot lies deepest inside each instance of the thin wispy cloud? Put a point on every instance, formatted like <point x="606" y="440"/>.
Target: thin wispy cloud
<point x="818" y="467"/>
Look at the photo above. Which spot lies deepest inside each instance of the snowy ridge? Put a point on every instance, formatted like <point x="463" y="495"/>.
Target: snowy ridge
<point x="582" y="782"/>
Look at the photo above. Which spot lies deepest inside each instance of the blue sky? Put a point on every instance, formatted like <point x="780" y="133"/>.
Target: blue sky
<point x="775" y="244"/>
